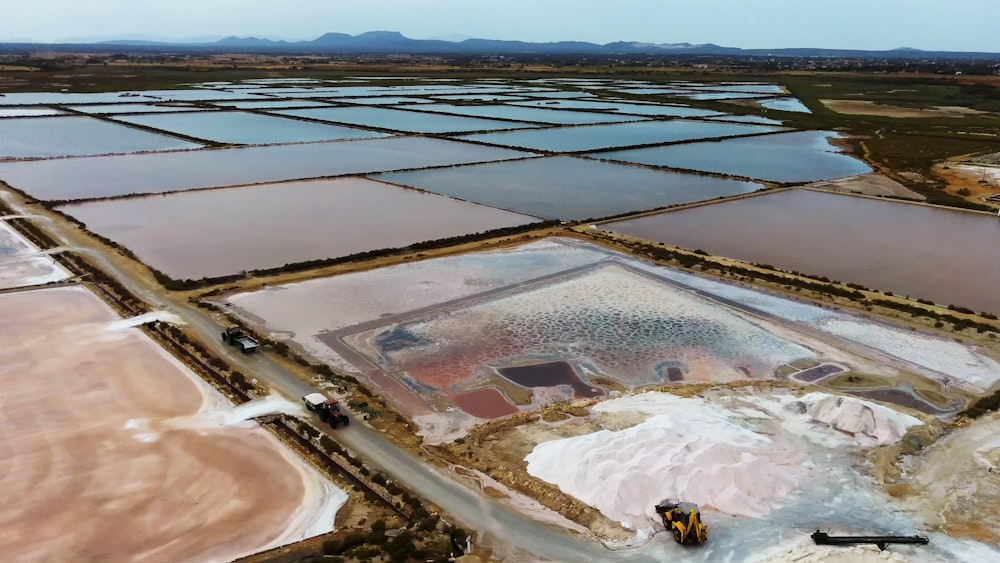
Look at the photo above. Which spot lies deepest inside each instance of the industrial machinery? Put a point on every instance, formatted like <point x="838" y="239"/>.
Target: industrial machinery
<point x="328" y="409"/>
<point x="683" y="519"/>
<point x="236" y="337"/>
<point x="823" y="538"/>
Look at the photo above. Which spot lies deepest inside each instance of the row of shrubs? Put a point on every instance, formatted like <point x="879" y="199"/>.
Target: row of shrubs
<point x="236" y="377"/>
<point x="403" y="547"/>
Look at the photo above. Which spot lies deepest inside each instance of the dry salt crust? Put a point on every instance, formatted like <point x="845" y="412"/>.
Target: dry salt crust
<point x="22" y="264"/>
<point x="614" y="318"/>
<point x="738" y="455"/>
<point x="974" y="371"/>
<point x="942" y="549"/>
<point x="298" y="311"/>
<point x="620" y="323"/>
<point x="991" y="172"/>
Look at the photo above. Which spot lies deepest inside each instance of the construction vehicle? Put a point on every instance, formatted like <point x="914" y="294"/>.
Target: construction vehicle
<point x="683" y="519"/>
<point x="236" y="337"/>
<point x="328" y="409"/>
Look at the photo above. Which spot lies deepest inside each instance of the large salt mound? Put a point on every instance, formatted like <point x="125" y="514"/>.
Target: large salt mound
<point x="696" y="451"/>
<point x="707" y="452"/>
<point x="859" y="418"/>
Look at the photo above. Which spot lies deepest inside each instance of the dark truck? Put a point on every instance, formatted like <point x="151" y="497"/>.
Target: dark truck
<point x="236" y="337"/>
<point x="328" y="409"/>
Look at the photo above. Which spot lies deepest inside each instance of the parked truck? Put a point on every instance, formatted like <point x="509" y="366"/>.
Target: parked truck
<point x="239" y="339"/>
<point x="328" y="409"/>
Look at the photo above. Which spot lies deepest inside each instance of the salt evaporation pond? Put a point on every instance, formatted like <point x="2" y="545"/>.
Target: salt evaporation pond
<point x="277" y="104"/>
<point x="153" y="173"/>
<point x="784" y="104"/>
<point x="653" y="91"/>
<point x="595" y="137"/>
<point x="569" y="188"/>
<point x="408" y="121"/>
<point x="383" y="101"/>
<point x="29" y="112"/>
<point x="747" y="119"/>
<point x="722" y="96"/>
<point x="257" y="227"/>
<point x="248" y="128"/>
<point x="21" y="263"/>
<point x="524" y="294"/>
<point x="45" y="137"/>
<point x="744" y="87"/>
<point x="480" y="98"/>
<point x="107" y="109"/>
<point x="918" y="250"/>
<point x="536" y="115"/>
<point x="625" y="108"/>
<point x="69" y="98"/>
<point x="802" y="156"/>
<point x="558" y="94"/>
<point x="611" y="320"/>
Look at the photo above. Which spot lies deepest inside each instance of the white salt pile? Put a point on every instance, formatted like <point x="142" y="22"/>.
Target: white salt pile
<point x="714" y="453"/>
<point x="854" y="420"/>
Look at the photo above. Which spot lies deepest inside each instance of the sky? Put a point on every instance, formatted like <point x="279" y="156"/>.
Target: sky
<point x="953" y="25"/>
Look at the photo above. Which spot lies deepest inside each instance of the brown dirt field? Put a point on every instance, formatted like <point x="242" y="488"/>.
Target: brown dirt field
<point x="955" y="483"/>
<point x="869" y="184"/>
<point x="866" y="107"/>
<point x="89" y="471"/>
<point x="957" y="178"/>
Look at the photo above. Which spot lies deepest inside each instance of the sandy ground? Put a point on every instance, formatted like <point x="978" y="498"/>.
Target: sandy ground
<point x="981" y="181"/>
<point x="111" y="450"/>
<point x="955" y="484"/>
<point x="20" y="265"/>
<point x="866" y="107"/>
<point x="869" y="184"/>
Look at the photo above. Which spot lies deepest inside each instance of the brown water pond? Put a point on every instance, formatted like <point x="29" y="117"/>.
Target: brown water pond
<point x="209" y="233"/>
<point x="945" y="255"/>
<point x="485" y="403"/>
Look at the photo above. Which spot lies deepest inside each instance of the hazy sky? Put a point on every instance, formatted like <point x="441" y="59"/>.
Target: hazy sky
<point x="966" y="25"/>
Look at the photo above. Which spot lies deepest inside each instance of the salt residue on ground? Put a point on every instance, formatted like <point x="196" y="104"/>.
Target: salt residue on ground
<point x="977" y="372"/>
<point x="970" y="368"/>
<point x="941" y="549"/>
<point x="219" y="416"/>
<point x="991" y="172"/>
<point x="740" y="455"/>
<point x="21" y="264"/>
<point x="804" y="550"/>
<point x="161" y="316"/>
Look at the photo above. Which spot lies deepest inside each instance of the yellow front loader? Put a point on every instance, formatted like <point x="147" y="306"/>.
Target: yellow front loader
<point x="683" y="519"/>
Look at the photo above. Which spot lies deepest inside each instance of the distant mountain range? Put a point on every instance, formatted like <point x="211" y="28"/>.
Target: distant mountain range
<point x="395" y="42"/>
